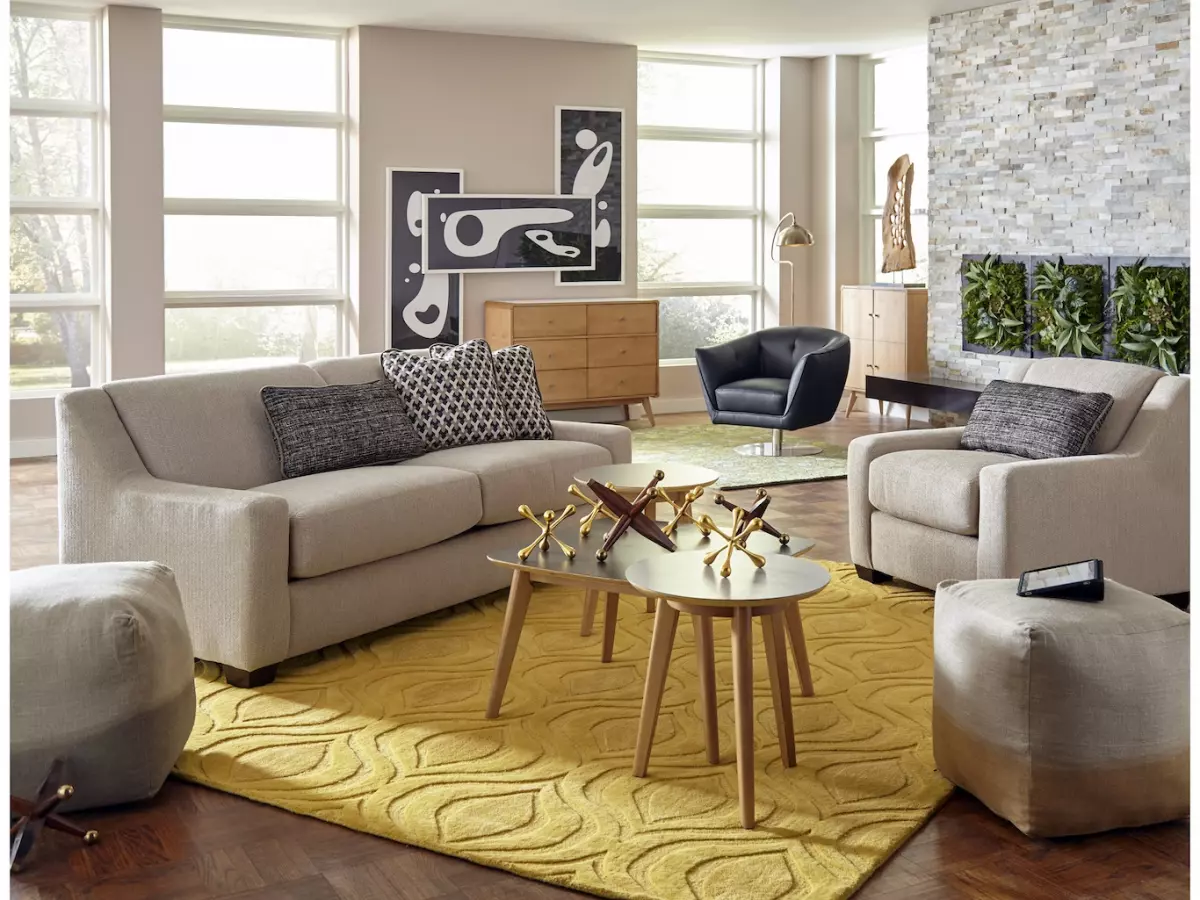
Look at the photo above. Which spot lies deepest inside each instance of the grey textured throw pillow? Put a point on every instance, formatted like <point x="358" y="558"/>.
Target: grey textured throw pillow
<point x="1035" y="421"/>
<point x="453" y="401"/>
<point x="342" y="426"/>
<point x="516" y="379"/>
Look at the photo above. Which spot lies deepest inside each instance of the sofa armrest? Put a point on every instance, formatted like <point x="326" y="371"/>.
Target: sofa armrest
<point x="859" y="456"/>
<point x="616" y="439"/>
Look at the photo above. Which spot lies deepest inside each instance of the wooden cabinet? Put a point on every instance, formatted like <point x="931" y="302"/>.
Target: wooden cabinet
<point x="887" y="327"/>
<point x="588" y="353"/>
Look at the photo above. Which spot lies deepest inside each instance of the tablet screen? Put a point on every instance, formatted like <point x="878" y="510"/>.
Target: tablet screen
<point x="1057" y="576"/>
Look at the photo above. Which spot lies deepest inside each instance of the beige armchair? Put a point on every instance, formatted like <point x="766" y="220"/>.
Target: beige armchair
<point x="923" y="511"/>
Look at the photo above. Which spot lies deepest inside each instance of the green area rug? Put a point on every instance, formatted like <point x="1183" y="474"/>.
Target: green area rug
<point x="713" y="446"/>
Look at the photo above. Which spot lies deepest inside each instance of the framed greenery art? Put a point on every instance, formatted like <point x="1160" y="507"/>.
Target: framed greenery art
<point x="1068" y="307"/>
<point x="1151" y="313"/>
<point x="995" y="292"/>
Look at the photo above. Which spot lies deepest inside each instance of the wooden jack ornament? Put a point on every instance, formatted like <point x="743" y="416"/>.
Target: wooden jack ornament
<point x="547" y="522"/>
<point x="631" y="513"/>
<point x="683" y="511"/>
<point x="761" y="501"/>
<point x="735" y="540"/>
<point x="597" y="509"/>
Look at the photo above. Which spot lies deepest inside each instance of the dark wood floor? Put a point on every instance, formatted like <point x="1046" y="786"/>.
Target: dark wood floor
<point x="191" y="843"/>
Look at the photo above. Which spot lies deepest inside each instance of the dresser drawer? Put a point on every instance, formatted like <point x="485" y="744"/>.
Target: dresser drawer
<point x="622" y="381"/>
<point x="622" y="318"/>
<point x="549" y="321"/>
<point x="641" y="350"/>
<point x="568" y="353"/>
<point x="560" y="385"/>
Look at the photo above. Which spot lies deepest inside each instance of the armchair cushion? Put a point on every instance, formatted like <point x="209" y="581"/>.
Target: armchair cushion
<point x="754" y="395"/>
<point x="937" y="488"/>
<point x="1035" y="421"/>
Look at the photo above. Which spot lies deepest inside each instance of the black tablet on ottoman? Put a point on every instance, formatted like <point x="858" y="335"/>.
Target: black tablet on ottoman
<point x="1073" y="581"/>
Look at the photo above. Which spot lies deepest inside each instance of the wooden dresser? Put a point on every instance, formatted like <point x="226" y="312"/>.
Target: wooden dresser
<point x="588" y="353"/>
<point x="887" y="327"/>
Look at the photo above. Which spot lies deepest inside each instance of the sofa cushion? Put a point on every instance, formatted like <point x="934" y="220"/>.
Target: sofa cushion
<point x="1128" y="385"/>
<point x="536" y="473"/>
<point x="938" y="488"/>
<point x="767" y="396"/>
<point x="516" y="379"/>
<point x="355" y="516"/>
<point x="206" y="428"/>
<point x="1035" y="421"/>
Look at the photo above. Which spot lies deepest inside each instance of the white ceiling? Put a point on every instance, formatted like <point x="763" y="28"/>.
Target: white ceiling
<point x="758" y="28"/>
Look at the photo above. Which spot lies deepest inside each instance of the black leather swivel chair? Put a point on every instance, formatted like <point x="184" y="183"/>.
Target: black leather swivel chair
<point x="777" y="378"/>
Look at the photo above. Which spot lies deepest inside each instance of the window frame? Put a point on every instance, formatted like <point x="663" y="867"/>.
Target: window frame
<point x="754" y="214"/>
<point x="91" y="207"/>
<point x="872" y="215"/>
<point x="338" y="209"/>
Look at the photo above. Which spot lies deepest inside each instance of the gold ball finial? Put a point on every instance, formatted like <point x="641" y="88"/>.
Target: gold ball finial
<point x="66" y="792"/>
<point x="90" y="837"/>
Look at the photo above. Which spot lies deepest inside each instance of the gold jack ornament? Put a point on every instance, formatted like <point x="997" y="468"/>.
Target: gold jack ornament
<point x="683" y="511"/>
<point x="735" y="540"/>
<point x="597" y="509"/>
<point x="548" y="521"/>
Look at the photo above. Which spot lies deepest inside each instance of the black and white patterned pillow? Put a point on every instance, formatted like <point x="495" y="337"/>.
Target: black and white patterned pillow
<point x="1035" y="421"/>
<point x="516" y="378"/>
<point x="453" y="401"/>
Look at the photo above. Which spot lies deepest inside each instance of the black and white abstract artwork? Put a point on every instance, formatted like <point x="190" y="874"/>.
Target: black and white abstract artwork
<point x="503" y="232"/>
<point x="423" y="307"/>
<point x="590" y="163"/>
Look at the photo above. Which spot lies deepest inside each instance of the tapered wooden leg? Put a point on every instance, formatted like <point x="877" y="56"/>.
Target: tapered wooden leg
<point x="612" y="603"/>
<point x="650" y="601"/>
<point x="850" y="403"/>
<point x="781" y="691"/>
<point x="908" y="415"/>
<point x="647" y="408"/>
<point x="799" y="649"/>
<point x="743" y="711"/>
<point x="626" y="405"/>
<point x="514" y="621"/>
<point x="589" y="613"/>
<point x="665" y="621"/>
<point x="705" y="662"/>
<point x="881" y="409"/>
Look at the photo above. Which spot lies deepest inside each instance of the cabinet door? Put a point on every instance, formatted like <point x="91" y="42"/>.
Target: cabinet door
<point x="891" y="358"/>
<point x="860" y="365"/>
<point x="891" y="311"/>
<point x="856" y="312"/>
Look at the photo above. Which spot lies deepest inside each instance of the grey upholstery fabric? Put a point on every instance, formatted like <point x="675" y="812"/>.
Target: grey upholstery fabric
<point x="355" y="516"/>
<point x="101" y="677"/>
<point x="208" y="428"/>
<point x="919" y="554"/>
<point x="323" y="429"/>
<point x="516" y="379"/>
<point x="616" y="439"/>
<point x="938" y="488"/>
<point x="1062" y="717"/>
<point x="536" y="473"/>
<point x="349" y="369"/>
<point x="1035" y="421"/>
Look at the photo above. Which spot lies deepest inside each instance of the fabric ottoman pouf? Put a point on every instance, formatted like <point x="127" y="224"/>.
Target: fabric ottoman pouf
<point x="1062" y="716"/>
<point x="102" y="677"/>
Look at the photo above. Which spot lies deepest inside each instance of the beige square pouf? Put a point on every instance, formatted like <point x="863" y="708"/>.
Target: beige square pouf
<point x="1063" y="717"/>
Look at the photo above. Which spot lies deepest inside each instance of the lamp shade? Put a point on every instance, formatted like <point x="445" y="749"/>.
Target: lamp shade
<point x="794" y="236"/>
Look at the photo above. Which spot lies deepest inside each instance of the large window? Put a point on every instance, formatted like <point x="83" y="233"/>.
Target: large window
<point x="895" y="121"/>
<point x="55" y="282"/>
<point x="254" y="189"/>
<point x="699" y="198"/>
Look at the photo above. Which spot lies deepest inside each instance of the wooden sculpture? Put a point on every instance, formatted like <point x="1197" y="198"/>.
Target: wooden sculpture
<point x="631" y="513"/>
<point x="683" y="511"/>
<point x="597" y="509"/>
<point x="898" y="251"/>
<point x="548" y="522"/>
<point x="33" y="815"/>
<point x="761" y="501"/>
<point x="734" y="540"/>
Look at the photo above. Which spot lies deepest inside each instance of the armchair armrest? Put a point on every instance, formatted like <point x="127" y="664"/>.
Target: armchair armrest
<point x="731" y="361"/>
<point x="859" y="456"/>
<point x="616" y="439"/>
<point x="816" y="385"/>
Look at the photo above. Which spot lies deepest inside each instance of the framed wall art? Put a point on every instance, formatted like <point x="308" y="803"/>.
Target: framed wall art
<point x="589" y="162"/>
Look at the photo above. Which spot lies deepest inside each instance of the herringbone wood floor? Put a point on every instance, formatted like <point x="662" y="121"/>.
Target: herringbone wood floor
<point x="190" y="843"/>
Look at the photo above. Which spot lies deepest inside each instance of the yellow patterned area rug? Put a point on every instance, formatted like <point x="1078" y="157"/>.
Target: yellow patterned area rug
<point x="386" y="735"/>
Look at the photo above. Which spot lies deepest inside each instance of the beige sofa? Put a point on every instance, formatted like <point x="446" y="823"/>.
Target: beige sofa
<point x="923" y="510"/>
<point x="182" y="470"/>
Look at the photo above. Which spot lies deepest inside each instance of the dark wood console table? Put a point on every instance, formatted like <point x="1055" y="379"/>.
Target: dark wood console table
<point x="925" y="391"/>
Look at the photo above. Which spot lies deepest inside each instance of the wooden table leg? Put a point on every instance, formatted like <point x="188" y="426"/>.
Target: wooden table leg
<point x="850" y="403"/>
<point x="514" y="621"/>
<point x="705" y="662"/>
<point x="612" y="603"/>
<point x="648" y="410"/>
<point x="650" y="604"/>
<point x="665" y="621"/>
<point x="589" y="613"/>
<point x="781" y="691"/>
<point x="908" y="415"/>
<point x="799" y="650"/>
<point x="743" y="710"/>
